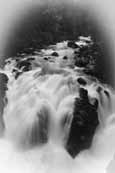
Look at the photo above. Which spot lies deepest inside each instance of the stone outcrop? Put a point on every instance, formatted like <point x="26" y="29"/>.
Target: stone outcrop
<point x="3" y="88"/>
<point x="83" y="126"/>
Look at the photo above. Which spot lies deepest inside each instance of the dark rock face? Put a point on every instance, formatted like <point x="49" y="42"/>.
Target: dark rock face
<point x="31" y="59"/>
<point x="3" y="88"/>
<point x="3" y="83"/>
<point x="22" y="66"/>
<point x="17" y="74"/>
<point x="107" y="93"/>
<point x="83" y="126"/>
<point x="72" y="44"/>
<point x="65" y="57"/>
<point x="81" y="61"/>
<point x="99" y="89"/>
<point x="81" y="81"/>
<point x="55" y="54"/>
<point x="25" y="64"/>
<point x="86" y="57"/>
<point x="45" y="58"/>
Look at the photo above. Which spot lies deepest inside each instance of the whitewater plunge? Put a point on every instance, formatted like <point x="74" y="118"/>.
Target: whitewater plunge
<point x="40" y="103"/>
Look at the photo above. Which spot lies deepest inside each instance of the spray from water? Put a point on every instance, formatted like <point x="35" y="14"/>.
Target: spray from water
<point x="41" y="95"/>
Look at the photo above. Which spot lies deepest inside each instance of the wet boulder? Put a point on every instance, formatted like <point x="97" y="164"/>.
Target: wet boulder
<point x="81" y="81"/>
<point x="25" y="65"/>
<point x="107" y="93"/>
<point x="3" y="88"/>
<point x="83" y="126"/>
<point x="72" y="44"/>
<point x="65" y="57"/>
<point x="99" y="89"/>
<point x="3" y="84"/>
<point x="16" y="73"/>
<point x="31" y="59"/>
<point x="86" y="57"/>
<point x="81" y="61"/>
<point x="55" y="54"/>
<point x="46" y="58"/>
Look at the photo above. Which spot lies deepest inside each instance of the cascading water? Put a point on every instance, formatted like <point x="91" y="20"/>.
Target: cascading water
<point x="40" y="111"/>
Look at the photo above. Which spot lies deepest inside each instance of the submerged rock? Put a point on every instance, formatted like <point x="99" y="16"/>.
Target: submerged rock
<point x="83" y="126"/>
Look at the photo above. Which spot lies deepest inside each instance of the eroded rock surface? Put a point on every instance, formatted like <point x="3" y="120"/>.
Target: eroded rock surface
<point x="83" y="126"/>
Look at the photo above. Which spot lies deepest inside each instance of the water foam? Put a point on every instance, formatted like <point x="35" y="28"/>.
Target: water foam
<point x="49" y="89"/>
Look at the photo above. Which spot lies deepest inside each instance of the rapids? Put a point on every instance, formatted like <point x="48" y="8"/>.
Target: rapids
<point x="34" y="139"/>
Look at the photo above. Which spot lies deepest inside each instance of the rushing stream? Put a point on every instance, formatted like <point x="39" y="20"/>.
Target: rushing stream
<point x="44" y="94"/>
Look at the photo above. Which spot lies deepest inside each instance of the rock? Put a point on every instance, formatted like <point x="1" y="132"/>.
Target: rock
<point x="45" y="58"/>
<point x="72" y="44"/>
<point x="25" y="64"/>
<point x="83" y="93"/>
<point x="86" y="58"/>
<point x="83" y="126"/>
<point x="81" y="81"/>
<point x="76" y="52"/>
<point x="3" y="88"/>
<point x="81" y="61"/>
<point x="14" y="70"/>
<point x="31" y="59"/>
<point x="17" y="74"/>
<point x="65" y="57"/>
<point x="94" y="102"/>
<point x="83" y="49"/>
<point x="107" y="93"/>
<point x="3" y="84"/>
<point x="55" y="54"/>
<point x="99" y="89"/>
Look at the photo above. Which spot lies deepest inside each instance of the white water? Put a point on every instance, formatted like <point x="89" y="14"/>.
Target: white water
<point x="50" y="88"/>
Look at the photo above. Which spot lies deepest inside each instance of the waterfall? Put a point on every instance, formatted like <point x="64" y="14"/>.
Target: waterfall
<point x="40" y="110"/>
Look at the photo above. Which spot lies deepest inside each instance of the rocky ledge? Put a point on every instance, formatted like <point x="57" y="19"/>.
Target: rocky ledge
<point x="84" y="123"/>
